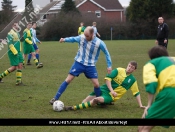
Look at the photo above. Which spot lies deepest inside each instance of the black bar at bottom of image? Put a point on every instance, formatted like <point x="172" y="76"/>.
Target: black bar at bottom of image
<point x="87" y="122"/>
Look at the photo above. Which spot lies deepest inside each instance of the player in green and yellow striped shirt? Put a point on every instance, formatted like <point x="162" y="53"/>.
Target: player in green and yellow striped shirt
<point x="28" y="46"/>
<point x="81" y="28"/>
<point x="117" y="83"/>
<point x="14" y="54"/>
<point x="159" y="80"/>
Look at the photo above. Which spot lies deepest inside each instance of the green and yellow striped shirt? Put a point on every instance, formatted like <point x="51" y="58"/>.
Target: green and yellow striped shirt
<point x="158" y="74"/>
<point x="121" y="82"/>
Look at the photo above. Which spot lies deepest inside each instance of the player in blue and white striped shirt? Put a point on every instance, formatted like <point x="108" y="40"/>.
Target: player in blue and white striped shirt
<point x="34" y="40"/>
<point x="85" y="60"/>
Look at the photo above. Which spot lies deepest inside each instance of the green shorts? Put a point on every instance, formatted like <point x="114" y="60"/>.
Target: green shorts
<point x="28" y="48"/>
<point x="105" y="94"/>
<point x="163" y="106"/>
<point x="15" y="59"/>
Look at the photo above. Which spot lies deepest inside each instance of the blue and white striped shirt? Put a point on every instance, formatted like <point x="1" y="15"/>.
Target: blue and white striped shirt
<point x="88" y="52"/>
<point x="34" y="38"/>
<point x="95" y="30"/>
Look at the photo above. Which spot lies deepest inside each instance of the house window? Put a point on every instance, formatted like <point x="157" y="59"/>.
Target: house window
<point x="98" y="13"/>
<point x="44" y="16"/>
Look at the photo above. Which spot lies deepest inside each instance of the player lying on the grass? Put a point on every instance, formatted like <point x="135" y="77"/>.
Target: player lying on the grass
<point x="159" y="78"/>
<point x="117" y="83"/>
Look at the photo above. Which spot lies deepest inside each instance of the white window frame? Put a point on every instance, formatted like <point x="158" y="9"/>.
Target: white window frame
<point x="98" y="13"/>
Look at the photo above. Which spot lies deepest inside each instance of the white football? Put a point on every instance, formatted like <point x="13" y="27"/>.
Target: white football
<point x="58" y="105"/>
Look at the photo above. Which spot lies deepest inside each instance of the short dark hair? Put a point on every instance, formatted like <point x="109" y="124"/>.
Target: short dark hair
<point x="33" y="23"/>
<point x="133" y="63"/>
<point x="157" y="51"/>
<point x="29" y="23"/>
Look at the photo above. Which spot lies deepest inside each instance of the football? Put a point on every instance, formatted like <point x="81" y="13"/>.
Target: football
<point x="58" y="105"/>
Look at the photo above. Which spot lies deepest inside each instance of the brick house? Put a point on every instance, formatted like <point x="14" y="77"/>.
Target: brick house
<point x="109" y="10"/>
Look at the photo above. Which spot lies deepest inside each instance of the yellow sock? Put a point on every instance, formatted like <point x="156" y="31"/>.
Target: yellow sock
<point x="18" y="76"/>
<point x="36" y="61"/>
<point x="82" y="105"/>
<point x="5" y="73"/>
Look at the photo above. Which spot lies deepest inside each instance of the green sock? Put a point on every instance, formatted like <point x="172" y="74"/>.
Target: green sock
<point x="82" y="106"/>
<point x="5" y="73"/>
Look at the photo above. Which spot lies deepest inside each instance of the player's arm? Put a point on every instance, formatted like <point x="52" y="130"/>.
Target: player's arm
<point x="108" y="80"/>
<point x="10" y="44"/>
<point x="26" y="38"/>
<point x="70" y="39"/>
<point x="98" y="34"/>
<point x="34" y="35"/>
<point x="107" y="55"/>
<point x="166" y="31"/>
<point x="136" y="93"/>
<point x="150" y="81"/>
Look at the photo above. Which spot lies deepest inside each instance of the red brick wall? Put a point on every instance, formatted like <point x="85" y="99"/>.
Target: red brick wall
<point x="108" y="15"/>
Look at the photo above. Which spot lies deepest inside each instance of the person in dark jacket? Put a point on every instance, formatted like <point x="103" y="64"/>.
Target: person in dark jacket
<point x="162" y="33"/>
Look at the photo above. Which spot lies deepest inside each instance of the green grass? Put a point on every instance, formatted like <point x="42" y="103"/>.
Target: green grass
<point x="32" y="101"/>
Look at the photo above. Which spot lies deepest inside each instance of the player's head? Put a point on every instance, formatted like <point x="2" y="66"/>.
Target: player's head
<point x="157" y="51"/>
<point x="15" y="26"/>
<point x="81" y="24"/>
<point x="132" y="66"/>
<point x="160" y="20"/>
<point x="89" y="33"/>
<point x="94" y="24"/>
<point x="34" y="25"/>
<point x="29" y="25"/>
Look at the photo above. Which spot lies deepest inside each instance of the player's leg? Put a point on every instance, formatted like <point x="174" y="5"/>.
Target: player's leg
<point x="84" y="105"/>
<point x="92" y="74"/>
<point x="19" y="71"/>
<point x="13" y="62"/>
<point x="62" y="88"/>
<point x="162" y="108"/>
<point x="89" y="98"/>
<point x="6" y="72"/>
<point x="38" y="65"/>
<point x="104" y="98"/>
<point x="75" y="70"/>
<point x="26" y="51"/>
<point x="36" y="51"/>
<point x="29" y="58"/>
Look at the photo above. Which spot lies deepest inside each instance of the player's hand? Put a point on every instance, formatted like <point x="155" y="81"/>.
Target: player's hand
<point x="142" y="107"/>
<point x="114" y="94"/>
<point x="109" y="69"/>
<point x="40" y="42"/>
<point x="61" y="40"/>
<point x="145" y="112"/>
<point x="156" y="42"/>
<point x="165" y="41"/>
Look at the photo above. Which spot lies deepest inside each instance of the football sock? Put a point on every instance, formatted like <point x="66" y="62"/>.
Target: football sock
<point x="37" y="56"/>
<point x="97" y="91"/>
<point x="5" y="73"/>
<point x="29" y="57"/>
<point x="23" y="62"/>
<point x="36" y="61"/>
<point x="18" y="76"/>
<point x="82" y="106"/>
<point x="61" y="89"/>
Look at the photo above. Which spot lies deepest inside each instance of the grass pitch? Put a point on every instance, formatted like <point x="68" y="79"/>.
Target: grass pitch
<point x="32" y="101"/>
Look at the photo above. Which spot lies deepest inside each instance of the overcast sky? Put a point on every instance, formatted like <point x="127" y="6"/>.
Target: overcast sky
<point x="21" y="3"/>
